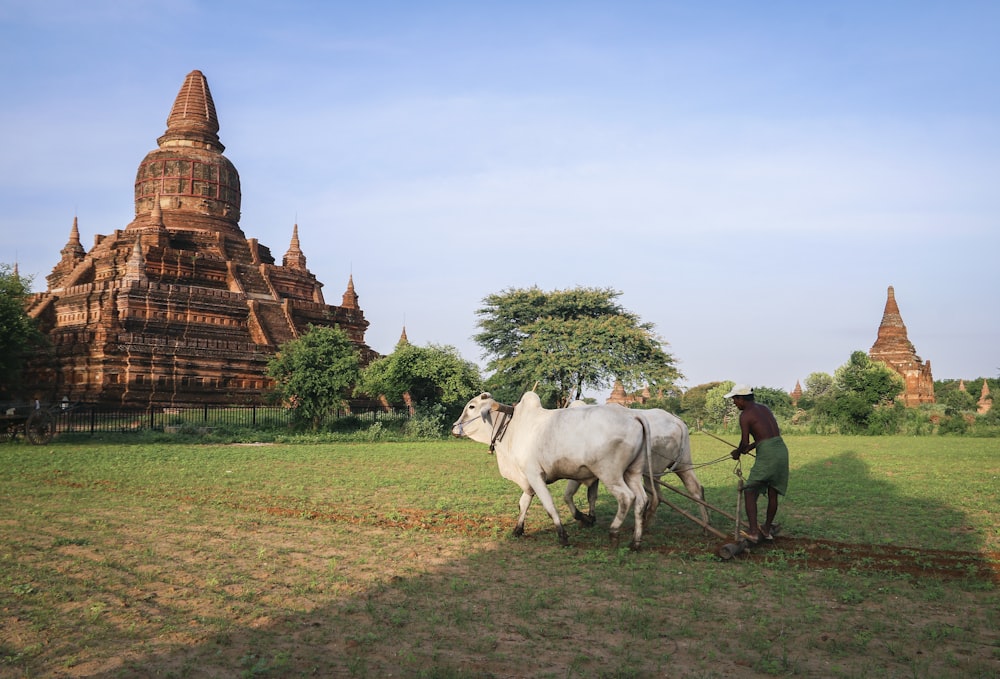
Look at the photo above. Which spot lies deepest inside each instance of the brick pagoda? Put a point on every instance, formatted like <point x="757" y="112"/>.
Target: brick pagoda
<point x="893" y="348"/>
<point x="180" y="307"/>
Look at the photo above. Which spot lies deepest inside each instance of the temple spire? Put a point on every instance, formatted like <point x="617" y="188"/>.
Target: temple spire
<point x="403" y="339"/>
<point x="796" y="393"/>
<point x="156" y="214"/>
<point x="350" y="297"/>
<point x="135" y="265"/>
<point x="73" y="250"/>
<point x="890" y="316"/>
<point x="294" y="258"/>
<point x="193" y="117"/>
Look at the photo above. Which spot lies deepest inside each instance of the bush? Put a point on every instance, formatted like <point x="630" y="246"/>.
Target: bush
<point x="429" y="422"/>
<point x="954" y="424"/>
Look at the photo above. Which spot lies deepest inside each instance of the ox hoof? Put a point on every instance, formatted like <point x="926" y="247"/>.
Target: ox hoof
<point x="563" y="537"/>
<point x="585" y="520"/>
<point x="635" y="546"/>
<point x="613" y="539"/>
<point x="518" y="531"/>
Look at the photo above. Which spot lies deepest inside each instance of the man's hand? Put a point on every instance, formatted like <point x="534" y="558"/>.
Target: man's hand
<point x="735" y="454"/>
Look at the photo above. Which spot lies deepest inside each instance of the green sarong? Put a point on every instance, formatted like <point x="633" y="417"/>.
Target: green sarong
<point x="771" y="466"/>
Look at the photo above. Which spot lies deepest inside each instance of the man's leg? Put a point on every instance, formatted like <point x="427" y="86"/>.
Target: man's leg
<point x="772" y="509"/>
<point x="750" y="499"/>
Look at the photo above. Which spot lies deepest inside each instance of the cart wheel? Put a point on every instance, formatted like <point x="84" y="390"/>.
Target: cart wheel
<point x="39" y="428"/>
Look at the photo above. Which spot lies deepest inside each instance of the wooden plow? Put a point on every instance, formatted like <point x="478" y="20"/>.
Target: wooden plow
<point x="736" y="544"/>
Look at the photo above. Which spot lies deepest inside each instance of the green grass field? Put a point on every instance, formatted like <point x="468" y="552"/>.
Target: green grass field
<point x="372" y="560"/>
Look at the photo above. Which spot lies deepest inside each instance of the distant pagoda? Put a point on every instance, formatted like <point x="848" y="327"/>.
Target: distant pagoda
<point x="893" y="348"/>
<point x="179" y="308"/>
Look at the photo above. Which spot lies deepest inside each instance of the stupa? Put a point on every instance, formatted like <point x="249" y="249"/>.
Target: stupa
<point x="180" y="307"/>
<point x="893" y="347"/>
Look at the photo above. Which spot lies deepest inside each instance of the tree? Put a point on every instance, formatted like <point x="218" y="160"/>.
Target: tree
<point x="720" y="411"/>
<point x="314" y="372"/>
<point x="778" y="400"/>
<point x="430" y="375"/>
<point x="693" y="402"/>
<point x="566" y="341"/>
<point x="19" y="334"/>
<point x="817" y="385"/>
<point x="861" y="386"/>
<point x="957" y="401"/>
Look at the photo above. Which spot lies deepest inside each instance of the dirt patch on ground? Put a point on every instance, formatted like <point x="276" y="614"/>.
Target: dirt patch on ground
<point x="801" y="550"/>
<point x="218" y="582"/>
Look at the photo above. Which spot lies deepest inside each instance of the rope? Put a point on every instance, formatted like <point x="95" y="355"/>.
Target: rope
<point x="738" y="470"/>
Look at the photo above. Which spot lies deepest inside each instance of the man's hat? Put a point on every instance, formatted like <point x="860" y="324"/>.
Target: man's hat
<point x="739" y="390"/>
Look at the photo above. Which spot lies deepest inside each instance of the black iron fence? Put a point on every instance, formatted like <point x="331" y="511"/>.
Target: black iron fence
<point x="94" y="419"/>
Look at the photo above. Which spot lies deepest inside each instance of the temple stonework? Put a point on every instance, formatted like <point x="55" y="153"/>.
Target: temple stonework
<point x="180" y="307"/>
<point x="893" y="348"/>
<point x="619" y="396"/>
<point x="985" y="402"/>
<point x="796" y="394"/>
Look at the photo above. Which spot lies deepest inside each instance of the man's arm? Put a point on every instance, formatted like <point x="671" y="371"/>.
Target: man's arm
<point x="744" y="446"/>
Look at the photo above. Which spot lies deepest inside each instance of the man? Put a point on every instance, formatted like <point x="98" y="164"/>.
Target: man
<point x="770" y="470"/>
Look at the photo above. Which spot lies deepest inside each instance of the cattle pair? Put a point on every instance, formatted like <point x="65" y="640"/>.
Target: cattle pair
<point x="617" y="446"/>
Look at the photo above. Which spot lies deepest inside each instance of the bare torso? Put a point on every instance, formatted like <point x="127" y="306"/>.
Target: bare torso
<point x="758" y="421"/>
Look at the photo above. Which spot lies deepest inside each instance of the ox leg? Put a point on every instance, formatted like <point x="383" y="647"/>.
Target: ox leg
<point x="653" y="492"/>
<point x="578" y="516"/>
<point x="626" y="498"/>
<point x="523" y="505"/>
<point x="592" y="500"/>
<point x="581" y="518"/>
<point x="641" y="501"/>
<point x="545" y="497"/>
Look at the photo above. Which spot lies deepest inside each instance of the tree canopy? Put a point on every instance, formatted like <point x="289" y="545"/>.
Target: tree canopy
<point x="568" y="341"/>
<point x="313" y="373"/>
<point x="431" y="374"/>
<point x="861" y="397"/>
<point x="19" y="334"/>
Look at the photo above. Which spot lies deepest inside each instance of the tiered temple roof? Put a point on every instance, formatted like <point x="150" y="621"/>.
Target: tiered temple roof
<point x="180" y="307"/>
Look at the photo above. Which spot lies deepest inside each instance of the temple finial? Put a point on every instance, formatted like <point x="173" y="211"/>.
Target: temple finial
<point x="193" y="117"/>
<point x="350" y="296"/>
<point x="294" y="258"/>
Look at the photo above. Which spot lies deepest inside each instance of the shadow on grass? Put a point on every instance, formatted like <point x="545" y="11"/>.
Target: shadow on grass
<point x="247" y="593"/>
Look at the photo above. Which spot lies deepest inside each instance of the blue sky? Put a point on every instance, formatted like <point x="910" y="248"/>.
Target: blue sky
<point x="752" y="176"/>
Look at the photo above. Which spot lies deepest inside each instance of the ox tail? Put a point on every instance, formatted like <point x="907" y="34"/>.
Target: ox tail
<point x="654" y="499"/>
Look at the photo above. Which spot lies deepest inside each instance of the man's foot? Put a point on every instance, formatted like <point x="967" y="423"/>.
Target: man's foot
<point x="752" y="538"/>
<point x="768" y="532"/>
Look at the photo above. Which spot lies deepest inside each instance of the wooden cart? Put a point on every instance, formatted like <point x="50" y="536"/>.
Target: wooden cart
<point x="35" y="422"/>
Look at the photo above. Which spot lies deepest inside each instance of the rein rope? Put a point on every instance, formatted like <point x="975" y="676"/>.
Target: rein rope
<point x="717" y="460"/>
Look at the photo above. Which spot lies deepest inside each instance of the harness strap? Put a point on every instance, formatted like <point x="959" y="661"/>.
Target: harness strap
<point x="500" y="426"/>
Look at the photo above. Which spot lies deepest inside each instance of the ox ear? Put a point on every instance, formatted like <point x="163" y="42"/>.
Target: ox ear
<point x="484" y="396"/>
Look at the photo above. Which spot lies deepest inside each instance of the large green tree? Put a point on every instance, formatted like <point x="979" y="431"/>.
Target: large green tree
<point x="861" y="399"/>
<point x="567" y="341"/>
<point x="314" y="373"/>
<point x="19" y="334"/>
<point x="693" y="403"/>
<point x="430" y="375"/>
<point x="720" y="412"/>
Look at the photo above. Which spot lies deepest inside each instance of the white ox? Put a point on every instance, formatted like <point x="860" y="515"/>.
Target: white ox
<point x="535" y="447"/>
<point x="670" y="442"/>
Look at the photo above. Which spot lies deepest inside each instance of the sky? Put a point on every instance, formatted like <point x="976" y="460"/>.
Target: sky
<point x="751" y="177"/>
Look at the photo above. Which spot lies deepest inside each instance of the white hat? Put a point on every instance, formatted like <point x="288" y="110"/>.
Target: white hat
<point x="739" y="390"/>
